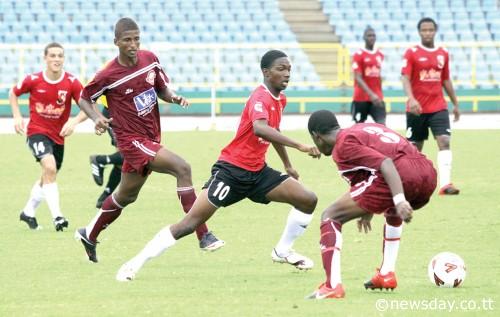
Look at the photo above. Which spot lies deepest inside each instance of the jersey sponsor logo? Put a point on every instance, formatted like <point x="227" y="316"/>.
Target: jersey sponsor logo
<point x="373" y="71"/>
<point x="367" y="59"/>
<point x="258" y="106"/>
<point x="422" y="59"/>
<point x="430" y="75"/>
<point x="41" y="91"/>
<point x="49" y="111"/>
<point x="145" y="102"/>
<point x="262" y="141"/>
<point x="61" y="97"/>
<point x="129" y="91"/>
<point x="150" y="78"/>
<point x="440" y="60"/>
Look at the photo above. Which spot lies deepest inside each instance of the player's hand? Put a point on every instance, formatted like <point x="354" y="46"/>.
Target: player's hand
<point x="405" y="211"/>
<point x="67" y="128"/>
<point x="19" y="125"/>
<point x="183" y="102"/>
<point x="414" y="106"/>
<point x="364" y="223"/>
<point x="102" y="124"/>
<point x="376" y="101"/>
<point x="456" y="113"/>
<point x="292" y="172"/>
<point x="310" y="150"/>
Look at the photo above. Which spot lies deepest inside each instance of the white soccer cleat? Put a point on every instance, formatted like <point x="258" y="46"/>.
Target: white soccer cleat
<point x="293" y="258"/>
<point x="127" y="271"/>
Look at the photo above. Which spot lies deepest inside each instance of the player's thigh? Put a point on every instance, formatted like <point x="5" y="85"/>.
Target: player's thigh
<point x="359" y="111"/>
<point x="417" y="128"/>
<point x="227" y="185"/>
<point x="282" y="188"/>
<point x="168" y="162"/>
<point x="378" y="113"/>
<point x="343" y="210"/>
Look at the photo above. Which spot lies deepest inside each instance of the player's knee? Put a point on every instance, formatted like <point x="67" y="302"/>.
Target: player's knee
<point x="49" y="173"/>
<point x="394" y="221"/>
<point x="125" y="199"/>
<point x="184" y="171"/>
<point x="307" y="202"/>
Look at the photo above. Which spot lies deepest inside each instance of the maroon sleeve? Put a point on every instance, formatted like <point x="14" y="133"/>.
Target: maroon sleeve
<point x="95" y="88"/>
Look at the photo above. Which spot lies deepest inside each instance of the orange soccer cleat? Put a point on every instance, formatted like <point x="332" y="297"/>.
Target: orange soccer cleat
<point x="380" y="281"/>
<point x="324" y="291"/>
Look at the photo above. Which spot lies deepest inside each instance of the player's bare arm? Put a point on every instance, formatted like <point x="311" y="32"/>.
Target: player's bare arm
<point x="393" y="180"/>
<point x="283" y="154"/>
<point x="448" y="87"/>
<point x="16" y="114"/>
<point x="263" y="130"/>
<point x="101" y="122"/>
<point x="373" y="96"/>
<point x="168" y="95"/>
<point x="413" y="104"/>
<point x="70" y="125"/>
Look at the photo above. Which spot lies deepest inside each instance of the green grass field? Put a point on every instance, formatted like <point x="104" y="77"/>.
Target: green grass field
<point x="45" y="273"/>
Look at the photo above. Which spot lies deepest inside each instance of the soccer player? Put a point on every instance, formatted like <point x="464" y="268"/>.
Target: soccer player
<point x="132" y="84"/>
<point x="241" y="172"/>
<point x="387" y="175"/>
<point x="98" y="162"/>
<point x="368" y="98"/>
<point x="424" y="74"/>
<point x="51" y="92"/>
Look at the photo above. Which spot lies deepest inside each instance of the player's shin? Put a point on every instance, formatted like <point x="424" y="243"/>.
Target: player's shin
<point x="161" y="242"/>
<point x="51" y="194"/>
<point x="296" y="224"/>
<point x="108" y="213"/>
<point x="36" y="197"/>
<point x="187" y="197"/>
<point x="330" y="245"/>
<point x="444" y="159"/>
<point x="392" y="235"/>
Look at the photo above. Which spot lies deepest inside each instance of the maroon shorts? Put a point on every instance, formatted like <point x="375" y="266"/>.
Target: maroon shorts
<point x="137" y="153"/>
<point x="419" y="182"/>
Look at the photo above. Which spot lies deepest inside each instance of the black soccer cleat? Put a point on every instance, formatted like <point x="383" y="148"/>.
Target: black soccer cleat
<point x="97" y="170"/>
<point x="89" y="246"/>
<point x="209" y="242"/>
<point x="30" y="221"/>
<point x="60" y="223"/>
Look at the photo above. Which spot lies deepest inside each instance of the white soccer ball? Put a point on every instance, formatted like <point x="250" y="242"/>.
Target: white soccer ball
<point x="447" y="269"/>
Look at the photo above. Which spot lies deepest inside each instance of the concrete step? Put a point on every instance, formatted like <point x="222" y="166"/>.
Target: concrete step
<point x="306" y="16"/>
<point x="308" y="37"/>
<point x="311" y="27"/>
<point x="299" y="5"/>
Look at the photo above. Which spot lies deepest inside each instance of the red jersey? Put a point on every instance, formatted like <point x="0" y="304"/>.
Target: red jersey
<point x="368" y="64"/>
<point x="131" y="95"/>
<point x="247" y="150"/>
<point x="427" y="69"/>
<point x="49" y="102"/>
<point x="360" y="150"/>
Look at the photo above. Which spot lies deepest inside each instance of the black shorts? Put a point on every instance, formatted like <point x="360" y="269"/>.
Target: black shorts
<point x="230" y="184"/>
<point x="105" y="113"/>
<point x="361" y="109"/>
<point x="417" y="127"/>
<point x="41" y="146"/>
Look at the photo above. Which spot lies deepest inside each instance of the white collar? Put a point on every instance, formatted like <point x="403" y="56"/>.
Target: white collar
<point x="265" y="87"/>
<point x="428" y="49"/>
<point x="53" y="81"/>
<point x="375" y="50"/>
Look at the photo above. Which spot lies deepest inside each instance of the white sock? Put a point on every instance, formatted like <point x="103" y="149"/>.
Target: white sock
<point x="51" y="193"/>
<point x="161" y="242"/>
<point x="392" y="237"/>
<point x="335" y="266"/>
<point x="34" y="201"/>
<point x="296" y="224"/>
<point x="444" y="159"/>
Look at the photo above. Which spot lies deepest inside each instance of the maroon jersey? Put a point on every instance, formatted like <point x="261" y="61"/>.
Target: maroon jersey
<point x="427" y="69"/>
<point x="368" y="64"/>
<point x="247" y="150"/>
<point x="49" y="102"/>
<point x="131" y="95"/>
<point x="360" y="150"/>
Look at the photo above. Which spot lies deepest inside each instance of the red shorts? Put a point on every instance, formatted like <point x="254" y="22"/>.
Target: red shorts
<point x="419" y="182"/>
<point x="137" y="153"/>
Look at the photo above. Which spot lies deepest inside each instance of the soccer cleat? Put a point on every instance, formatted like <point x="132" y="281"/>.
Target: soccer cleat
<point x="101" y="199"/>
<point x="380" y="281"/>
<point x="31" y="221"/>
<point x="293" y="258"/>
<point x="128" y="271"/>
<point x="60" y="223"/>
<point x="97" y="170"/>
<point x="89" y="246"/>
<point x="449" y="190"/>
<point x="324" y="292"/>
<point x="209" y="242"/>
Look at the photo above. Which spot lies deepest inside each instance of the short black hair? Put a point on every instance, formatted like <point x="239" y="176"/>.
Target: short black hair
<point x="123" y="25"/>
<point x="51" y="45"/>
<point x="368" y="28"/>
<point x="268" y="58"/>
<point x="322" y="122"/>
<point x="426" y="19"/>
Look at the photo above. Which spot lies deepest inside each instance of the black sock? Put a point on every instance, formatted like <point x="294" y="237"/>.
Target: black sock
<point x="114" y="179"/>
<point x="116" y="158"/>
<point x="101" y="159"/>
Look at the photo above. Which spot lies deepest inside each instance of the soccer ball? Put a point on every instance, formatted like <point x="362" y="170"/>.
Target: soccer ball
<point x="447" y="269"/>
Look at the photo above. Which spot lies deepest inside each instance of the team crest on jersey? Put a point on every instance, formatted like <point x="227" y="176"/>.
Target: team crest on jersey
<point x="61" y="97"/>
<point x="150" y="78"/>
<point x="145" y="102"/>
<point x="258" y="106"/>
<point x="440" y="60"/>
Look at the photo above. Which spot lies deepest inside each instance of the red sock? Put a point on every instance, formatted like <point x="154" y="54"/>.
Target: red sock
<point x="330" y="243"/>
<point x="106" y="215"/>
<point x="187" y="197"/>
